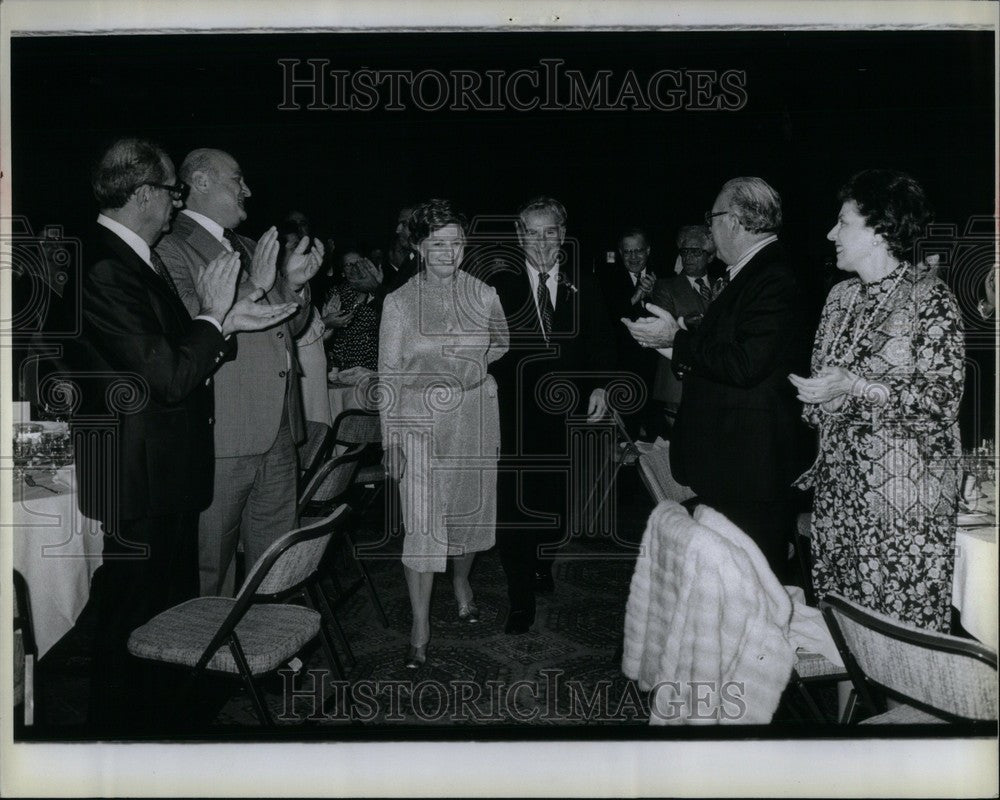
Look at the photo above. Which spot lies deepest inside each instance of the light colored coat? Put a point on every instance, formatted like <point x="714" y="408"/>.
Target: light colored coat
<point x="251" y="388"/>
<point x="707" y="623"/>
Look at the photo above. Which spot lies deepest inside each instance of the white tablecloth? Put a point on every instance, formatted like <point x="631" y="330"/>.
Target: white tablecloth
<point x="57" y="550"/>
<point x="974" y="592"/>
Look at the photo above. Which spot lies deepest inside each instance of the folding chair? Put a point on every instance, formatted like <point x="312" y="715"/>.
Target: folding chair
<point x="358" y="427"/>
<point x="260" y="633"/>
<point x="25" y="653"/>
<point x="937" y="678"/>
<point x="331" y="485"/>
<point x="314" y="450"/>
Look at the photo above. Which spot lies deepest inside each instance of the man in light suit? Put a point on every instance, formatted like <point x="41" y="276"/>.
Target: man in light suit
<point x="560" y="342"/>
<point x="735" y="442"/>
<point x="258" y="399"/>
<point x="144" y="363"/>
<point x="685" y="295"/>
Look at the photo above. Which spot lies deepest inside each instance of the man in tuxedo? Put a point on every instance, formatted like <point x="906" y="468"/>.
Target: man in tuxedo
<point x="551" y="377"/>
<point x="685" y="295"/>
<point x="736" y="437"/>
<point x="144" y="364"/>
<point x="626" y="288"/>
<point x="258" y="395"/>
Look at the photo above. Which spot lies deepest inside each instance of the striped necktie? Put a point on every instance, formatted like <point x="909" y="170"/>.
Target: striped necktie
<point x="161" y="269"/>
<point x="704" y="288"/>
<point x="545" y="309"/>
<point x="246" y="257"/>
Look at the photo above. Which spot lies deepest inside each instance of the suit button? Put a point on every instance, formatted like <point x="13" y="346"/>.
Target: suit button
<point x="281" y="334"/>
<point x="211" y="420"/>
<point x="208" y="381"/>
<point x="281" y="374"/>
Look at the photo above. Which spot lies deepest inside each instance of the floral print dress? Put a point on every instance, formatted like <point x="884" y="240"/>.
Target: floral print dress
<point x="886" y="480"/>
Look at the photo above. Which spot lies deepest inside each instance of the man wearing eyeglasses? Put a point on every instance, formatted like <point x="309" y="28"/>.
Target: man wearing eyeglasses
<point x="144" y="364"/>
<point x="259" y="416"/>
<point x="736" y="436"/>
<point x="626" y="288"/>
<point x="686" y="296"/>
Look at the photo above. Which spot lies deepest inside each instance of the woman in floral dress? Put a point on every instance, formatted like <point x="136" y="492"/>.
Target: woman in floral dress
<point x="887" y="377"/>
<point x="440" y="419"/>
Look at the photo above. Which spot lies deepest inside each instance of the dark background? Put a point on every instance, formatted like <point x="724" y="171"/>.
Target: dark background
<point x="821" y="106"/>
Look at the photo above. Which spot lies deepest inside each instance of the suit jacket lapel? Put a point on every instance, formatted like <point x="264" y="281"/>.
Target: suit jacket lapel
<point x="131" y="260"/>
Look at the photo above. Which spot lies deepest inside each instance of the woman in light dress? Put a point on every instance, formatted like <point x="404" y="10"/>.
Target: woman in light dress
<point x="440" y="420"/>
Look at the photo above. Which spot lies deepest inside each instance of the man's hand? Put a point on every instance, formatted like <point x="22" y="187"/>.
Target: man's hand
<point x="644" y="287"/>
<point x="300" y="266"/>
<point x="265" y="260"/>
<point x="656" y="331"/>
<point x="249" y="315"/>
<point x="216" y="286"/>
<point x="597" y="408"/>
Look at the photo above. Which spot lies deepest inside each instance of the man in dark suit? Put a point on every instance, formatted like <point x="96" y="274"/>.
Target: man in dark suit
<point x="736" y="438"/>
<point x="258" y="393"/>
<point x="146" y="365"/>
<point x="548" y="381"/>
<point x="402" y="262"/>
<point x="684" y="295"/>
<point x="626" y="288"/>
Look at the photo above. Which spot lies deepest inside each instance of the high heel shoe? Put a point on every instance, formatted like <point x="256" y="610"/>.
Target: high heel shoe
<point x="468" y="612"/>
<point x="416" y="657"/>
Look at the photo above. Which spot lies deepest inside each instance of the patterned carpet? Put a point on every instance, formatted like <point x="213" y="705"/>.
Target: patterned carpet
<point x="563" y="676"/>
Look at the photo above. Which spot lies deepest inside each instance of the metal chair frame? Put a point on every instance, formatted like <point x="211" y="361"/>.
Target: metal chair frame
<point x="832" y="605"/>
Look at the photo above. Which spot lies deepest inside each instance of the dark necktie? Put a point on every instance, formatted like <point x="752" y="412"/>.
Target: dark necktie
<point x="161" y="269"/>
<point x="704" y="288"/>
<point x="246" y="257"/>
<point x="545" y="309"/>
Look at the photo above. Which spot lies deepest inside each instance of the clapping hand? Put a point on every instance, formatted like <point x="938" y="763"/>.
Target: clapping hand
<point x="249" y="315"/>
<point x="656" y="331"/>
<point x="216" y="286"/>
<point x="265" y="260"/>
<point x="828" y="384"/>
<point x="301" y="266"/>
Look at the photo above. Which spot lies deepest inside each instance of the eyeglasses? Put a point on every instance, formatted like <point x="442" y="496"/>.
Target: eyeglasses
<point x="177" y="192"/>
<point x="637" y="252"/>
<point x="692" y="251"/>
<point x="710" y="215"/>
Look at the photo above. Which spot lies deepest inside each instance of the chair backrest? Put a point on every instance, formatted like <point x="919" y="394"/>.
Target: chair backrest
<point x="934" y="671"/>
<point x="332" y="479"/>
<point x="317" y="439"/>
<point x="654" y="467"/>
<point x="356" y="426"/>
<point x="283" y="568"/>
<point x="293" y="559"/>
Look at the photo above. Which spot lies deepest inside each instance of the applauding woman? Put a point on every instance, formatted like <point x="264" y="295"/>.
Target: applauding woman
<point x="887" y="372"/>
<point x="440" y="419"/>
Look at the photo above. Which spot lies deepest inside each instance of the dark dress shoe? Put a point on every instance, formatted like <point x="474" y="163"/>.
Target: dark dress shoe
<point x="543" y="582"/>
<point x="519" y="622"/>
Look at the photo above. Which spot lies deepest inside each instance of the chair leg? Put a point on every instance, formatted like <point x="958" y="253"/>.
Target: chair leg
<point x="311" y="596"/>
<point x="258" y="701"/>
<point x="807" y="698"/>
<point x="319" y="601"/>
<point x="367" y="580"/>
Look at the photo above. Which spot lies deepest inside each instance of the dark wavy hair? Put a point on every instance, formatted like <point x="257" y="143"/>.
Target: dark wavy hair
<point x="432" y="215"/>
<point x="124" y="167"/>
<point x="893" y="205"/>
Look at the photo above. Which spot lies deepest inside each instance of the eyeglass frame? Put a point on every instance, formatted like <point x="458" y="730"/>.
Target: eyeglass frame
<point x="710" y="215"/>
<point x="177" y="192"/>
<point x="693" y="251"/>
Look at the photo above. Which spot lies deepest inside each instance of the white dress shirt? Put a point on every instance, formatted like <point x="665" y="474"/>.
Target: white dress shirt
<point x="735" y="268"/>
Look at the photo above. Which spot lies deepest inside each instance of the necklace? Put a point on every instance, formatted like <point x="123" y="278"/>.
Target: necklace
<point x="862" y="323"/>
